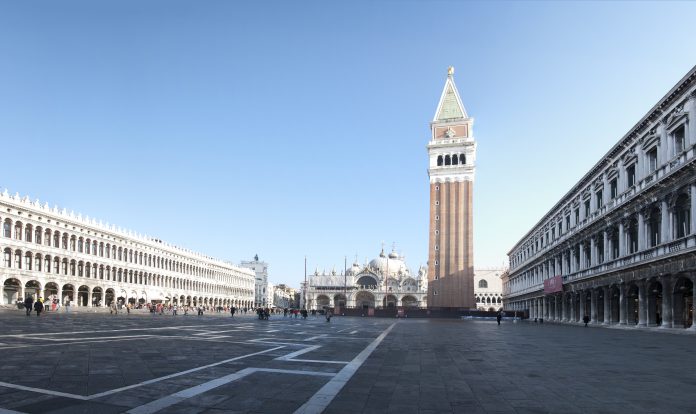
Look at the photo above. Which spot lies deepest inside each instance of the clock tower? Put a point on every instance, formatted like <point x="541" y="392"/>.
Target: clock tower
<point x="452" y="156"/>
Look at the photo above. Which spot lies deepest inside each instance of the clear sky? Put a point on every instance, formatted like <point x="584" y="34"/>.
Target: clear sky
<point x="287" y="129"/>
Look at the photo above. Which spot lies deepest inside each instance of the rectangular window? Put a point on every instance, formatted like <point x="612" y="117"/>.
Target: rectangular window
<point x="587" y="208"/>
<point x="600" y="199"/>
<point x="567" y="226"/>
<point x="631" y="175"/>
<point x="577" y="216"/>
<point x="614" y="187"/>
<point x="679" y="141"/>
<point x="652" y="159"/>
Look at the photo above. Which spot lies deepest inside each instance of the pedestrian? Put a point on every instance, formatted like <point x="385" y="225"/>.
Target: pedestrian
<point x="67" y="305"/>
<point x="113" y="309"/>
<point x="499" y="317"/>
<point x="329" y="314"/>
<point x="38" y="307"/>
<point x="586" y="319"/>
<point x="28" y="304"/>
<point x="233" y="310"/>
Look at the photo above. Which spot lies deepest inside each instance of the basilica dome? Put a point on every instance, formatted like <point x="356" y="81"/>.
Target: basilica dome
<point x="393" y="265"/>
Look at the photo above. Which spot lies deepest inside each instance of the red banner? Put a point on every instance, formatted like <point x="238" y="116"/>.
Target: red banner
<point x="553" y="285"/>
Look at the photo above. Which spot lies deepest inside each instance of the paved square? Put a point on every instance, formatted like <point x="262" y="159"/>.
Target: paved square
<point x="140" y="363"/>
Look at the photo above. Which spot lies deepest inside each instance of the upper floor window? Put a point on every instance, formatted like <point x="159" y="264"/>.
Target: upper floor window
<point x="614" y="188"/>
<point x="631" y="175"/>
<point x="587" y="208"/>
<point x="577" y="216"/>
<point x="652" y="159"/>
<point x="679" y="141"/>
<point x="483" y="284"/>
<point x="600" y="199"/>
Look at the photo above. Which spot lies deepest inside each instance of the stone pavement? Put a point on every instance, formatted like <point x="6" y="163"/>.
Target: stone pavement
<point x="139" y="363"/>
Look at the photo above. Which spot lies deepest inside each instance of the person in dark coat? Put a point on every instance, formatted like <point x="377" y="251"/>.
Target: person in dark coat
<point x="38" y="307"/>
<point x="28" y="304"/>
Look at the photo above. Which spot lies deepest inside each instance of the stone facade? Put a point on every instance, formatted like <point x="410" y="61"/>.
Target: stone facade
<point x="261" y="288"/>
<point x="51" y="253"/>
<point x="452" y="154"/>
<point x="385" y="281"/>
<point x="488" y="288"/>
<point x="619" y="246"/>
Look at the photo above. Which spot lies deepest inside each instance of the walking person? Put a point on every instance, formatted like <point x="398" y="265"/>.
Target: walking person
<point x="28" y="304"/>
<point x="67" y="305"/>
<point x="38" y="307"/>
<point x="586" y="319"/>
<point x="499" y="317"/>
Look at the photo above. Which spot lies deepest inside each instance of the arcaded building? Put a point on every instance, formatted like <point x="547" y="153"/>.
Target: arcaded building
<point x="51" y="253"/>
<point x="620" y="246"/>
<point x="452" y="160"/>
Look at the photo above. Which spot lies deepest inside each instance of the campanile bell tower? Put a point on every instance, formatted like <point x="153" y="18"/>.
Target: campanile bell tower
<point x="452" y="155"/>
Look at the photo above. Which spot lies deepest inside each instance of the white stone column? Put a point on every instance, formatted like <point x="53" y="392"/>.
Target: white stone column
<point x="664" y="222"/>
<point x="605" y="190"/>
<point x="593" y="305"/>
<point x="640" y="165"/>
<point x="622" y="241"/>
<point x="666" y="302"/>
<point x="564" y="309"/>
<point x="593" y="252"/>
<point x="621" y="178"/>
<point x="622" y="304"/>
<point x="557" y="311"/>
<point x="581" y="256"/>
<point x="555" y="260"/>
<point x="642" y="304"/>
<point x="641" y="231"/>
<point x="605" y="243"/>
<point x="573" y="318"/>
<point x="89" y="297"/>
<point x="693" y="198"/>
<point x="606" y="302"/>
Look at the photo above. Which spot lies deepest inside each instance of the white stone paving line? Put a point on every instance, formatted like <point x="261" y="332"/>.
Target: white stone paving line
<point x="168" y="401"/>
<point x="291" y="356"/>
<point x="322" y="398"/>
<point x="177" y="374"/>
<point x="109" y="392"/>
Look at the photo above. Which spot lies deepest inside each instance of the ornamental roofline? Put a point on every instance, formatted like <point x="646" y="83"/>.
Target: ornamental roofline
<point x="653" y="114"/>
<point x="78" y="219"/>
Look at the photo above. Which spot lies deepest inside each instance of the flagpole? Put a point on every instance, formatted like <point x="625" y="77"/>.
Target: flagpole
<point x="305" y="283"/>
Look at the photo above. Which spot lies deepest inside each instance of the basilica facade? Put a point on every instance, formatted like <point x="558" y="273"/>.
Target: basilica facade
<point x="55" y="254"/>
<point x="384" y="281"/>
<point x="620" y="246"/>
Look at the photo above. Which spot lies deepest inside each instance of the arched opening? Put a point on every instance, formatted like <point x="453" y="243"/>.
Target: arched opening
<point x="109" y="297"/>
<point x="632" y="236"/>
<point x="409" y="302"/>
<point x="367" y="282"/>
<point x="68" y="293"/>
<point x="83" y="295"/>
<point x="439" y="160"/>
<point x="340" y="300"/>
<point x="483" y="284"/>
<point x="33" y="288"/>
<point x="365" y="300"/>
<point x="11" y="291"/>
<point x="455" y="160"/>
<point x="683" y="303"/>
<point x="654" y="303"/>
<point x="389" y="301"/>
<point x="97" y="297"/>
<point x="682" y="215"/>
<point x="632" y="306"/>
<point x="600" y="305"/>
<point x="615" y="300"/>
<point x="322" y="301"/>
<point x="448" y="160"/>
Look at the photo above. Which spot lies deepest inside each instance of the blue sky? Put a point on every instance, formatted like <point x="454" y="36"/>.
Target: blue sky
<point x="287" y="129"/>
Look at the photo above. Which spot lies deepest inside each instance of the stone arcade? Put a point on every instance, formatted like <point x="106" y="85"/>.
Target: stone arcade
<point x="620" y="246"/>
<point x="55" y="254"/>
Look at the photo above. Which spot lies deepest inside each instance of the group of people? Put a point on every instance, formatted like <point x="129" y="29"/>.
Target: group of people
<point x="41" y="305"/>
